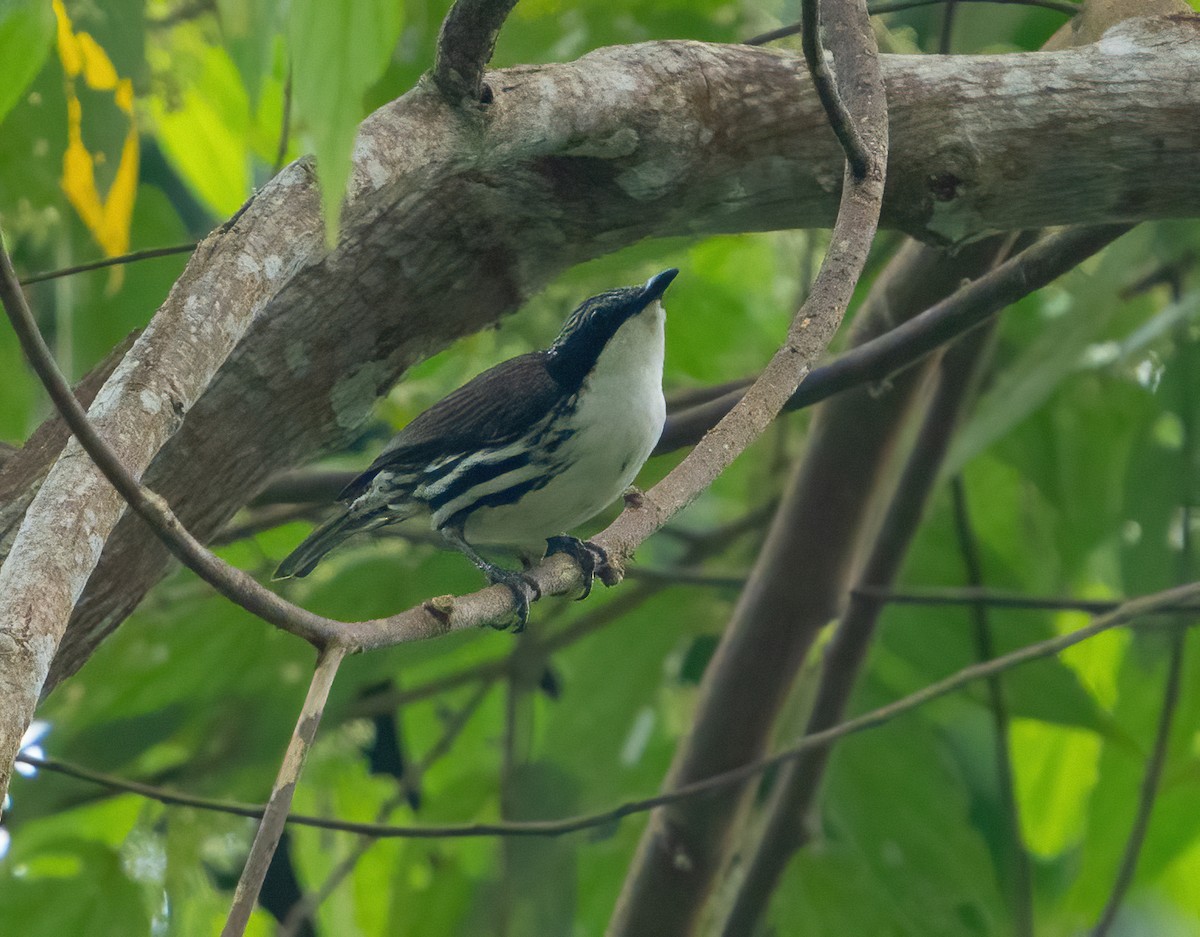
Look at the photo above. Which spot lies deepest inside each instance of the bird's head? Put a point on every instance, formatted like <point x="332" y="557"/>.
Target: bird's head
<point x="597" y="320"/>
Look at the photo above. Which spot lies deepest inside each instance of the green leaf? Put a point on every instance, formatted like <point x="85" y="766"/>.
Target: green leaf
<point x="71" y="887"/>
<point x="897" y="813"/>
<point x="249" y="28"/>
<point x="1076" y="313"/>
<point x="26" y="28"/>
<point x="338" y="50"/>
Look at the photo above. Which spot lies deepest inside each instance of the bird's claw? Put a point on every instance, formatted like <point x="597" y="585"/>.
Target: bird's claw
<point x="592" y="559"/>
<point x="524" y="591"/>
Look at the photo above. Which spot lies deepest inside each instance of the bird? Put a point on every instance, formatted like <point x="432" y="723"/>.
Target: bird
<point x="525" y="452"/>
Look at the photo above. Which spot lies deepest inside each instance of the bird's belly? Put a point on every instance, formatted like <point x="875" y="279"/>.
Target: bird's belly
<point x="597" y="463"/>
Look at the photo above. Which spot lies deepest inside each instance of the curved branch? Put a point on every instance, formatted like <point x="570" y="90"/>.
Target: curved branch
<point x="681" y="851"/>
<point x="823" y="80"/>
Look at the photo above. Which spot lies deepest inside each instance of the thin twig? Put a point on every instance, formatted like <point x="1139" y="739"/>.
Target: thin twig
<point x="1022" y="882"/>
<point x="611" y="611"/>
<point x="188" y="10"/>
<point x="1128" y="614"/>
<point x="1188" y="355"/>
<point x="1149" y="788"/>
<point x="119" y="260"/>
<point x="993" y="598"/>
<point x="275" y="815"/>
<point x="946" y="40"/>
<point x="840" y="118"/>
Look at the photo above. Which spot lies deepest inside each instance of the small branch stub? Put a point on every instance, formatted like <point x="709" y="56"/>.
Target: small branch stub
<point x="465" y="46"/>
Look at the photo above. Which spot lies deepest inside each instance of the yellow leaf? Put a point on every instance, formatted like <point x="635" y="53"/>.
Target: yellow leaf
<point x="106" y="215"/>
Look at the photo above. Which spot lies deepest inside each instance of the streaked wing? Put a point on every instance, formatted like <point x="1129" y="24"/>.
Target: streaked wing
<point x="491" y="410"/>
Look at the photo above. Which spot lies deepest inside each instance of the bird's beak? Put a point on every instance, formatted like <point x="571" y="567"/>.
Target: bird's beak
<point x="657" y="285"/>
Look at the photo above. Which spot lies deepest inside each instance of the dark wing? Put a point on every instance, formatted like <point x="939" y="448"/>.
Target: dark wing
<point x="493" y="409"/>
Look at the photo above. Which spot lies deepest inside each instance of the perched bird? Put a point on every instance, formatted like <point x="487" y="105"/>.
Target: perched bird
<point x="526" y="451"/>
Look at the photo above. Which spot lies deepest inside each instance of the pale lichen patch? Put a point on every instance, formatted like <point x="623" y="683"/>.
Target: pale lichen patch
<point x="150" y="401"/>
<point x="353" y="396"/>
<point x="296" y="356"/>
<point x="648" y="181"/>
<point x="954" y="221"/>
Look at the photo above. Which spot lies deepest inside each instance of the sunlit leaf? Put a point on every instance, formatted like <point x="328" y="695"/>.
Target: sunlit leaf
<point x="103" y="197"/>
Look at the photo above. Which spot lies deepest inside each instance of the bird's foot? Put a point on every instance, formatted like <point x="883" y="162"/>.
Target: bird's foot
<point x="524" y="591"/>
<point x="591" y="558"/>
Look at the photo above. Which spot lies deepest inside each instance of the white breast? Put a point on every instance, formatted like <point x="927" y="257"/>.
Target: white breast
<point x="618" y="419"/>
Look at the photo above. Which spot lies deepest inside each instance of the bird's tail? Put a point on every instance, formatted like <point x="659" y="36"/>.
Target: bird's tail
<point x="303" y="560"/>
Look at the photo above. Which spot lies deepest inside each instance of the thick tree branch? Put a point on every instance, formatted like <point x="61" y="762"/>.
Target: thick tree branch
<point x="446" y="231"/>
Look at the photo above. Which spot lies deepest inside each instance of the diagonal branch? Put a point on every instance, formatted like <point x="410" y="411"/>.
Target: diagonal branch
<point x="275" y="814"/>
<point x="785" y="827"/>
<point x="878" y="359"/>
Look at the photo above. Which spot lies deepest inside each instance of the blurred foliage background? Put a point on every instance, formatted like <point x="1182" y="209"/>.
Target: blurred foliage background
<point x="130" y="124"/>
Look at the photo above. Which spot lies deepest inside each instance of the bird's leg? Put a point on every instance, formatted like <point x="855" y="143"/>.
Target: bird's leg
<point x="588" y="555"/>
<point x="524" y="589"/>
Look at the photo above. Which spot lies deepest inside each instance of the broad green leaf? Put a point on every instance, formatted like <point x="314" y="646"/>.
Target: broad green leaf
<point x="1056" y="769"/>
<point x="895" y="804"/>
<point x="1075" y="313"/>
<point x="338" y="50"/>
<point x="72" y="887"/>
<point x="26" y="28"/>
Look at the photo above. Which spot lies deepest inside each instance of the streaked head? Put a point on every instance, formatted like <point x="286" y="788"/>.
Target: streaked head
<point x="598" y="319"/>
